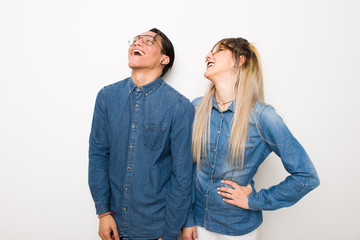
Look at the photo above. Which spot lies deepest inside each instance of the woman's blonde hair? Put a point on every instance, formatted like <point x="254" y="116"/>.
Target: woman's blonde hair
<point x="248" y="90"/>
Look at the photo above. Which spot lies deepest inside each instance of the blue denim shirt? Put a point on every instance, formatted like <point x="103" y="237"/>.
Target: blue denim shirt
<point x="140" y="162"/>
<point x="266" y="133"/>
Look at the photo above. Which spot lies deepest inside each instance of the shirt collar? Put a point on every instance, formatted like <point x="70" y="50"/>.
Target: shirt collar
<point x="148" y="88"/>
<point x="230" y="108"/>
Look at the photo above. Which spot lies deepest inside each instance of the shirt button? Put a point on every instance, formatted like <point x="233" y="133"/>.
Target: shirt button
<point x="129" y="168"/>
<point x="131" y="147"/>
<point x="214" y="150"/>
<point x="212" y="166"/>
<point x="125" y="208"/>
<point x="218" y="131"/>
<point x="137" y="105"/>
<point x="146" y="94"/>
<point x="126" y="188"/>
<point x="133" y="126"/>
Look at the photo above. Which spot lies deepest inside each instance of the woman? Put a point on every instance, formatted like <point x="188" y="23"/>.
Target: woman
<point x="233" y="132"/>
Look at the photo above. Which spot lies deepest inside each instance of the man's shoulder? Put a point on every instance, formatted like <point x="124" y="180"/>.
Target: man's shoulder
<point x="174" y="93"/>
<point x="117" y="85"/>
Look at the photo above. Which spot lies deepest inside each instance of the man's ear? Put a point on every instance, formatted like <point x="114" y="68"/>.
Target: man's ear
<point x="165" y="60"/>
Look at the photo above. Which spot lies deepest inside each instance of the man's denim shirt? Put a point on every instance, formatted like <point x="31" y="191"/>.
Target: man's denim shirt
<point x="140" y="163"/>
<point x="266" y="133"/>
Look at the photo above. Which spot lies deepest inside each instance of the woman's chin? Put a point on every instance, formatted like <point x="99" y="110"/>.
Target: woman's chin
<point x="207" y="74"/>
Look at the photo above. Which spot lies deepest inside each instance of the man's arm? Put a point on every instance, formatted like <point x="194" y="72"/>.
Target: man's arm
<point x="98" y="170"/>
<point x="99" y="157"/>
<point x="180" y="188"/>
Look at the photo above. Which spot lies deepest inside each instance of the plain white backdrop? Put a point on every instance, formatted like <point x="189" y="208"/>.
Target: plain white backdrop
<point x="56" y="55"/>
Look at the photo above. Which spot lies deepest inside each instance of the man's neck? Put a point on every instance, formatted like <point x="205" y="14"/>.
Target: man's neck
<point x="141" y="78"/>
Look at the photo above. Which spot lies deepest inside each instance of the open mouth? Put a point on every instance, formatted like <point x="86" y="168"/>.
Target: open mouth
<point x="210" y="64"/>
<point x="137" y="52"/>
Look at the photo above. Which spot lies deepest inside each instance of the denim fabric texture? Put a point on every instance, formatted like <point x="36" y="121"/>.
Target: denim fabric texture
<point x="266" y="133"/>
<point x="140" y="163"/>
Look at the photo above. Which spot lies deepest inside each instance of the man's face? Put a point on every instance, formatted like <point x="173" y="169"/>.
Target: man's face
<point x="143" y="56"/>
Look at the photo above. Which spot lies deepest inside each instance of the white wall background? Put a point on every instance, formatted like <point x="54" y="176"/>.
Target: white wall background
<point x="56" y="55"/>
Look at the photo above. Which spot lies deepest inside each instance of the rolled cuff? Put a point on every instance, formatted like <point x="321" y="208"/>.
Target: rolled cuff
<point x="102" y="207"/>
<point x="254" y="203"/>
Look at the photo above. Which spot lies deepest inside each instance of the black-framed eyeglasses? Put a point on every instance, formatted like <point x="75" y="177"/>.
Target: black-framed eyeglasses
<point x="217" y="48"/>
<point x="146" y="39"/>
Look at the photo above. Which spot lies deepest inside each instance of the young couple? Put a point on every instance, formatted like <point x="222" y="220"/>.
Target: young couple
<point x="146" y="138"/>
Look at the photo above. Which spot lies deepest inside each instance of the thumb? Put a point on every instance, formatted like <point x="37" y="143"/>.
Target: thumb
<point x="194" y="235"/>
<point x="115" y="232"/>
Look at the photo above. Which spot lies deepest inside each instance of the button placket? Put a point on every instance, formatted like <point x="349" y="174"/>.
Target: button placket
<point x="137" y="99"/>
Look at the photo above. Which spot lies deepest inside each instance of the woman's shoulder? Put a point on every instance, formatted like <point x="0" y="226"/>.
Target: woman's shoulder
<point x="261" y="110"/>
<point x="196" y="102"/>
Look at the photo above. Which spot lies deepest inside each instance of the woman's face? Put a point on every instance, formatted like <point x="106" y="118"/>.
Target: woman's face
<point x="219" y="62"/>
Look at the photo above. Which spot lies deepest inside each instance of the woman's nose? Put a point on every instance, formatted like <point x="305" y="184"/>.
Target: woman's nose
<point x="208" y="56"/>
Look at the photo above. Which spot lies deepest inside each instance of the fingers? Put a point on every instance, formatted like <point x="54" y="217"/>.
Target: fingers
<point x="105" y="235"/>
<point x="189" y="233"/>
<point x="224" y="193"/>
<point x="115" y="233"/>
<point x="231" y="183"/>
<point x="108" y="229"/>
<point x="237" y="195"/>
<point x="230" y="201"/>
<point x="194" y="235"/>
<point x="235" y="188"/>
<point x="226" y="190"/>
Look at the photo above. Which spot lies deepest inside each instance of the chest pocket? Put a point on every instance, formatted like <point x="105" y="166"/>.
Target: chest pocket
<point x="153" y="136"/>
<point x="249" y="148"/>
<point x="250" y="143"/>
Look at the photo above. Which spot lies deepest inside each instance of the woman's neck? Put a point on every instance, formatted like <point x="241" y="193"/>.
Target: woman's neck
<point x="224" y="94"/>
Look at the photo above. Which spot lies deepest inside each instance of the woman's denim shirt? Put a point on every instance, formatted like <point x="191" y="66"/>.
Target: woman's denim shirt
<point x="266" y="133"/>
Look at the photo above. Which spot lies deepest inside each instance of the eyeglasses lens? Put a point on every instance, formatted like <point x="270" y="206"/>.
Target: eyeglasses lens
<point x="215" y="49"/>
<point x="147" y="40"/>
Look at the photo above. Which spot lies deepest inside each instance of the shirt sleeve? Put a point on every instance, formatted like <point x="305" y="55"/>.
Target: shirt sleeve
<point x="190" y="221"/>
<point x="303" y="177"/>
<point x="99" y="157"/>
<point x="180" y="187"/>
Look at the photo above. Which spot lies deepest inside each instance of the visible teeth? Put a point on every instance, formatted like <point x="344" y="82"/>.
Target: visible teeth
<point x="138" y="51"/>
<point x="210" y="64"/>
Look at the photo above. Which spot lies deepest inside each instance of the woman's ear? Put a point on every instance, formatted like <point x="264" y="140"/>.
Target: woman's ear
<point x="242" y="60"/>
<point x="165" y="60"/>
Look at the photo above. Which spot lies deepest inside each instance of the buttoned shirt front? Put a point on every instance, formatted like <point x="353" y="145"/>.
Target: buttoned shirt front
<point x="266" y="133"/>
<point x="140" y="163"/>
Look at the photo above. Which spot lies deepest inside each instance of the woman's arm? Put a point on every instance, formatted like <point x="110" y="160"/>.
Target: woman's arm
<point x="303" y="177"/>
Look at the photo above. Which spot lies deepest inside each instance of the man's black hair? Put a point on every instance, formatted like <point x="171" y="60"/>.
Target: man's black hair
<point x="168" y="49"/>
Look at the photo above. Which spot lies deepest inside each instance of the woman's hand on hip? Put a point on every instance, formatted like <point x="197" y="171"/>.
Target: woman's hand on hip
<point x="237" y="195"/>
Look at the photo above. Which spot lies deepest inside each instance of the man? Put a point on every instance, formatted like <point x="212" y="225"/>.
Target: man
<point x="140" y="164"/>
